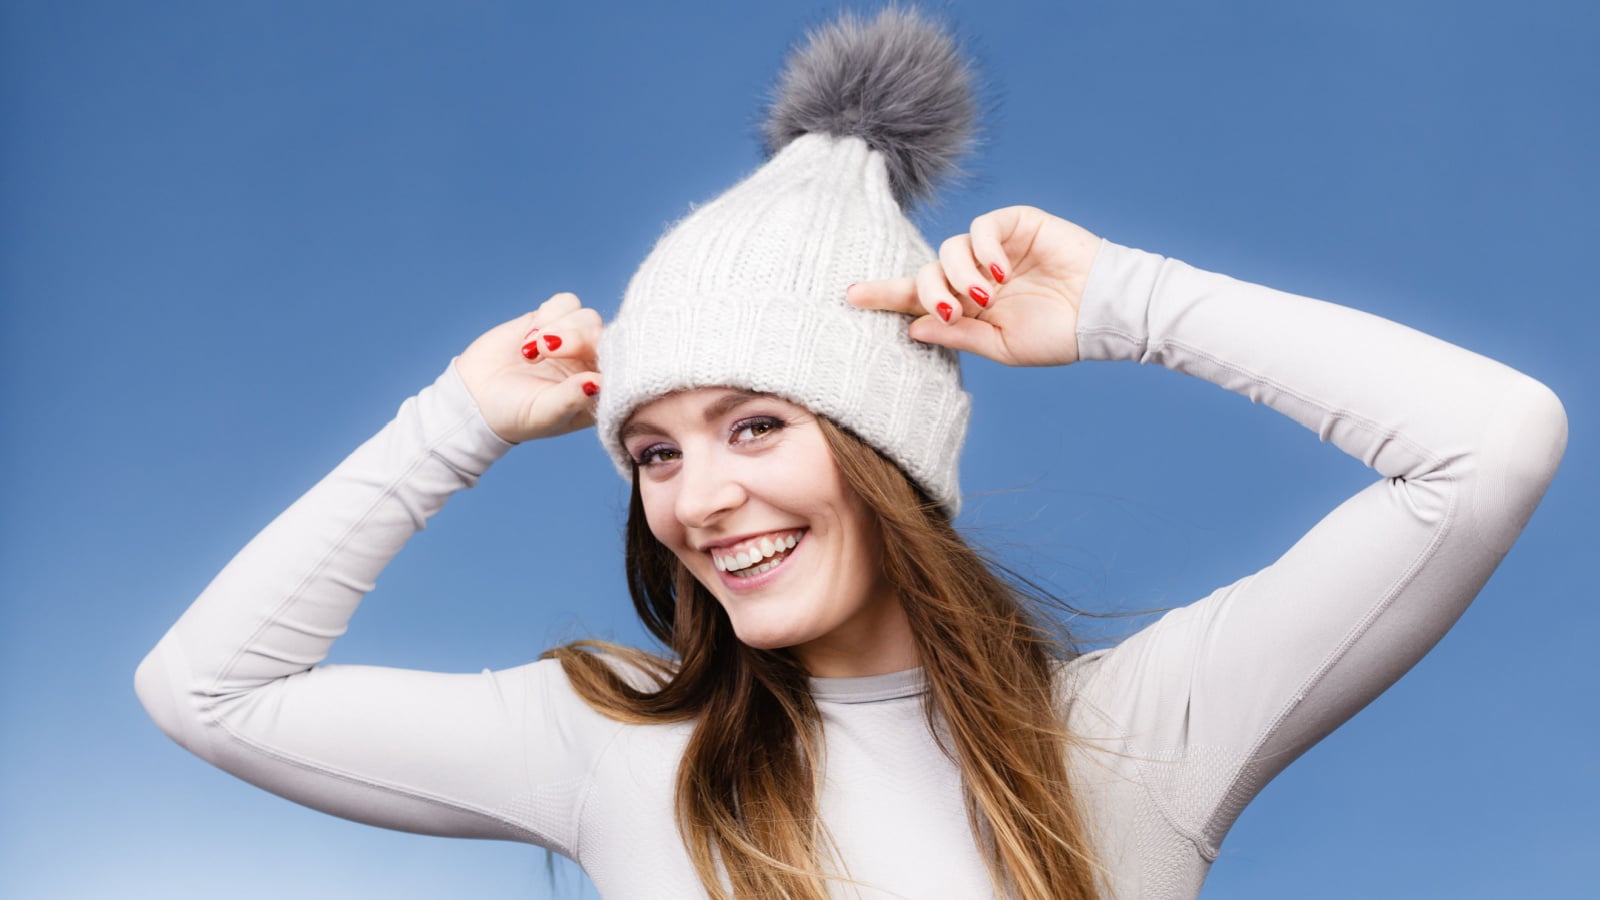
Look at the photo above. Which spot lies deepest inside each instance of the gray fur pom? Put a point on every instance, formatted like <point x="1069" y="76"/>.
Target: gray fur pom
<point x="898" y="82"/>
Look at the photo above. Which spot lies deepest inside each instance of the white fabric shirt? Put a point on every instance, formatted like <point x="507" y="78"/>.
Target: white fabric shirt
<point x="1205" y="705"/>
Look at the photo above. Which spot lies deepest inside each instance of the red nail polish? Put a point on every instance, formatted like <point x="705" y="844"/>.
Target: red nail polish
<point x="998" y="273"/>
<point x="552" y="343"/>
<point x="530" y="349"/>
<point x="944" y="310"/>
<point x="590" y="388"/>
<point x="979" y="294"/>
<point x="529" y="335"/>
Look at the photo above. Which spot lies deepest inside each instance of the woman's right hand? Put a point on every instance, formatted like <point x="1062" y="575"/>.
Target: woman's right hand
<point x="536" y="376"/>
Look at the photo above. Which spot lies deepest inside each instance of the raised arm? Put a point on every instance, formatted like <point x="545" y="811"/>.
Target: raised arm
<point x="1253" y="675"/>
<point x="236" y="680"/>
<point x="1226" y="692"/>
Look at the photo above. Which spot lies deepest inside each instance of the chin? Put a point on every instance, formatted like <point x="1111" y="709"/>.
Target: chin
<point x="768" y="635"/>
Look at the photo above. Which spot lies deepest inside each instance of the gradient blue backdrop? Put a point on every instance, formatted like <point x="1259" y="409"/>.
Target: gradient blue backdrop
<point x="233" y="237"/>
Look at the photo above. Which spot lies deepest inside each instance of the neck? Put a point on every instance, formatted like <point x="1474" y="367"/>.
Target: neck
<point x="876" y="644"/>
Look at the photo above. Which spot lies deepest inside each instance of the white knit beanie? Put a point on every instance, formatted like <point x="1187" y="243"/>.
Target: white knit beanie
<point x="748" y="291"/>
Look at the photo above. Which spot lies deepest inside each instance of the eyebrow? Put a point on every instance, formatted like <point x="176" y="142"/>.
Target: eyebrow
<point x="715" y="410"/>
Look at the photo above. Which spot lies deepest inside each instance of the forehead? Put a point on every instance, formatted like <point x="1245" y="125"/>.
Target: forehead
<point x="694" y="406"/>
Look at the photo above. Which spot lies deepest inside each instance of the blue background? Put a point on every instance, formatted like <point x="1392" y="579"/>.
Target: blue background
<point x="233" y="237"/>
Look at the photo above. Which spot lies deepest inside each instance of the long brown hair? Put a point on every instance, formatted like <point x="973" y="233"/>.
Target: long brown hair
<point x="748" y="781"/>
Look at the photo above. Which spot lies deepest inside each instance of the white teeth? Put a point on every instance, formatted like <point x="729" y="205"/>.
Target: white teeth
<point x="752" y="572"/>
<point x="740" y="564"/>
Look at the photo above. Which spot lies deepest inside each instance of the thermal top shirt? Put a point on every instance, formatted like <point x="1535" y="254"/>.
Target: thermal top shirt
<point x="1201" y="708"/>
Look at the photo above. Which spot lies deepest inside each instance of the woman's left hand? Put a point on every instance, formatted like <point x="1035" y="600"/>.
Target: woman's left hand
<point x="1008" y="290"/>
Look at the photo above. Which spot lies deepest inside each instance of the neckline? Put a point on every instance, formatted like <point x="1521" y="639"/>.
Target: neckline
<point x="869" y="688"/>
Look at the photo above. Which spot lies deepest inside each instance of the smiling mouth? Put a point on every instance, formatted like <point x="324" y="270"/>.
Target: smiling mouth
<point x="757" y="557"/>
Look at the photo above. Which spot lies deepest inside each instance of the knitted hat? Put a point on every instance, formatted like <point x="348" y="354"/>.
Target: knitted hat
<point x="748" y="291"/>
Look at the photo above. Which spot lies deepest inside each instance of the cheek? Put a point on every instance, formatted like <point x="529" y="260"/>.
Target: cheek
<point x="861" y="530"/>
<point x="658" y="515"/>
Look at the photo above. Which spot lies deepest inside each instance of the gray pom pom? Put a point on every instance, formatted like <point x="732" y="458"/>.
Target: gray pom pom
<point x="898" y="82"/>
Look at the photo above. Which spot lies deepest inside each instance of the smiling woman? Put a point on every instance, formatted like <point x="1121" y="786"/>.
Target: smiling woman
<point x="848" y="701"/>
<point x="870" y="579"/>
<point x="743" y="490"/>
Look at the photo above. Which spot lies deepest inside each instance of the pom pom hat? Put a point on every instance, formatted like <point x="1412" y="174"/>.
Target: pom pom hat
<point x="748" y="291"/>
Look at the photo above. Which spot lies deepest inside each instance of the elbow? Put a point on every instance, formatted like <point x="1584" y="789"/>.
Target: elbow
<point x="160" y="690"/>
<point x="1542" y="431"/>
<point x="1522" y="448"/>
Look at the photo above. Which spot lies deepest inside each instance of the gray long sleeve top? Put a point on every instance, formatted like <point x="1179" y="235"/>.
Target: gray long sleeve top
<point x="1202" y="708"/>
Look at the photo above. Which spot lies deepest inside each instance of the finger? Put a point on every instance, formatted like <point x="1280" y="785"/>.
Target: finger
<point x="554" y="308"/>
<point x="989" y="233"/>
<point x="961" y="271"/>
<point x="571" y="336"/>
<point x="965" y="333"/>
<point x="891" y="294"/>
<point x="567" y="406"/>
<point x="557" y="306"/>
<point x="520" y="330"/>
<point x="935" y="295"/>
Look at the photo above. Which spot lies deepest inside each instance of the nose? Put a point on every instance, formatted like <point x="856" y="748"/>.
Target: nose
<point x="707" y="491"/>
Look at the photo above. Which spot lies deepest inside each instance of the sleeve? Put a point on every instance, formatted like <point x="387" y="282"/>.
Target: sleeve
<point x="236" y="680"/>
<point x="1217" y="697"/>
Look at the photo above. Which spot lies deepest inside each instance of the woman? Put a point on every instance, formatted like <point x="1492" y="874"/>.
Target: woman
<point x="851" y="703"/>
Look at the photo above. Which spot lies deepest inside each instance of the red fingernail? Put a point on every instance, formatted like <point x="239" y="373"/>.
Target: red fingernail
<point x="551" y="342"/>
<point x="944" y="310"/>
<point x="998" y="273"/>
<point x="590" y="388"/>
<point x="979" y="294"/>
<point x="530" y="349"/>
<point x="529" y="335"/>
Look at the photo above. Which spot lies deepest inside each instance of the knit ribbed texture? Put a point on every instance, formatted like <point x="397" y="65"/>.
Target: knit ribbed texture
<point x="748" y="291"/>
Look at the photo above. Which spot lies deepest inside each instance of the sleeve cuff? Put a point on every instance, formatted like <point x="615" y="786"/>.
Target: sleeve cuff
<point x="1112" y="316"/>
<point x="466" y="441"/>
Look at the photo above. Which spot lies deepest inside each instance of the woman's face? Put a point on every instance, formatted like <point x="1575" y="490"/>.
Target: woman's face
<point x="743" y="489"/>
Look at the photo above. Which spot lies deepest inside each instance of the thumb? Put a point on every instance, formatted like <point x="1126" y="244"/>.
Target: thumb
<point x="965" y="333"/>
<point x="568" y="405"/>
